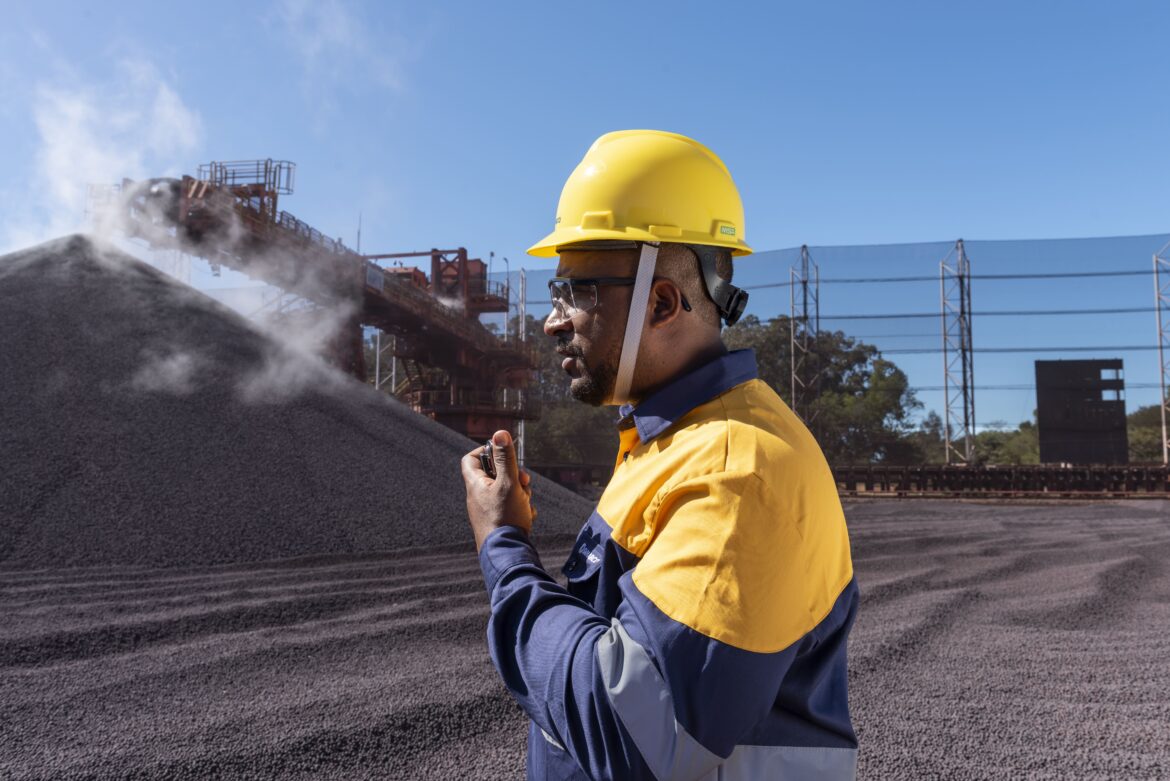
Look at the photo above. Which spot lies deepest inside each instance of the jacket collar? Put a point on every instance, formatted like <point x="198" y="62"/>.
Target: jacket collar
<point x="658" y="412"/>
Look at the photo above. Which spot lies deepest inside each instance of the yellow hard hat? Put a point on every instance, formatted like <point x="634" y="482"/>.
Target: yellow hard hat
<point x="648" y="185"/>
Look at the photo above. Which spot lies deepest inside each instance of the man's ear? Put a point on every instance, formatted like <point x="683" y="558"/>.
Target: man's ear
<point x="665" y="303"/>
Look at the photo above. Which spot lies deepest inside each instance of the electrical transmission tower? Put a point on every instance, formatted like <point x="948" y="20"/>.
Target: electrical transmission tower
<point x="1162" y="307"/>
<point x="958" y="365"/>
<point x="805" y="324"/>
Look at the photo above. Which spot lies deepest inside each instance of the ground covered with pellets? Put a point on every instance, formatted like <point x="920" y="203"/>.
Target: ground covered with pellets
<point x="202" y="577"/>
<point x="993" y="641"/>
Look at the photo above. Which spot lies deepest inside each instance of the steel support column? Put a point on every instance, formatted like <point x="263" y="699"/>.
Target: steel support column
<point x="958" y="362"/>
<point x="804" y="325"/>
<point x="1162" y="308"/>
<point x="379" y="351"/>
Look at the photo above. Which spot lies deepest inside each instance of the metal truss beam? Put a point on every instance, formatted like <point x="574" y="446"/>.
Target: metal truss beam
<point x="958" y="363"/>
<point x="805" y="324"/>
<point x="1162" y="308"/>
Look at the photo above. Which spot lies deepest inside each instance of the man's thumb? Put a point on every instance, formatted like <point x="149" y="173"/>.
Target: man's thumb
<point x="505" y="454"/>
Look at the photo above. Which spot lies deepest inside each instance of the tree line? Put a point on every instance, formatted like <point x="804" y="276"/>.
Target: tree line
<point x="863" y="410"/>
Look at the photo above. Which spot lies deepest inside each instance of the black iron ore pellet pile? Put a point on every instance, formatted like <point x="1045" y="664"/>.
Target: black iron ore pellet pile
<point x="142" y="423"/>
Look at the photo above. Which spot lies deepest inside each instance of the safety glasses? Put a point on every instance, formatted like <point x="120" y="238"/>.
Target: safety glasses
<point x="572" y="296"/>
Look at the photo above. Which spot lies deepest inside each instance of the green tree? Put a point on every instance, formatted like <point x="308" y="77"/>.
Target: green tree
<point x="997" y="444"/>
<point x="862" y="411"/>
<point x="1144" y="430"/>
<point x="862" y="408"/>
<point x="925" y="445"/>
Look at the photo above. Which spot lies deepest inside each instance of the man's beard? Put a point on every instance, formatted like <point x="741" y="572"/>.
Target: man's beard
<point x="592" y="387"/>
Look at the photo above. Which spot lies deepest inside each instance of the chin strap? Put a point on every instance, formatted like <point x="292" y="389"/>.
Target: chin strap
<point x="635" y="322"/>
<point x="729" y="299"/>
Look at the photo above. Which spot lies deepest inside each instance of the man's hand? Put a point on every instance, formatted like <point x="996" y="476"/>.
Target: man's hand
<point x="504" y="501"/>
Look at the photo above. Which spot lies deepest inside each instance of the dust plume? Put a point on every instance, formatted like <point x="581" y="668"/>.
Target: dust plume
<point x="133" y="125"/>
<point x="94" y="134"/>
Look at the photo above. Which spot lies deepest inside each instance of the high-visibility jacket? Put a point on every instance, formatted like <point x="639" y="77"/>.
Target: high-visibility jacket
<point x="702" y="633"/>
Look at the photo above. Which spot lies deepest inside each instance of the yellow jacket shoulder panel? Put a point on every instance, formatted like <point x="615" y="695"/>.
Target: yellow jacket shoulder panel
<point x="735" y="516"/>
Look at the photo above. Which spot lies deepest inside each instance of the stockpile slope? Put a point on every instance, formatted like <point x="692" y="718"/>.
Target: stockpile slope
<point x="141" y="423"/>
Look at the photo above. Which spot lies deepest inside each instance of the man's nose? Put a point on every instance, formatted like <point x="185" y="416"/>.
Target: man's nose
<point x="555" y="323"/>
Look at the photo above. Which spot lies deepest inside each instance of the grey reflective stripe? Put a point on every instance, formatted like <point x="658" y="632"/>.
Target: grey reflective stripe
<point x="785" y="762"/>
<point x="551" y="739"/>
<point x="646" y="709"/>
<point x="643" y="703"/>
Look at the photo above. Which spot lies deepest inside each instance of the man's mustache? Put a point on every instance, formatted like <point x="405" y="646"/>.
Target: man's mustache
<point x="570" y="350"/>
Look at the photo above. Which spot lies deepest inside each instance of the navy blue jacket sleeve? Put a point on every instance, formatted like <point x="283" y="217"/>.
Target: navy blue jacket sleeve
<point x="543" y="642"/>
<point x="642" y="696"/>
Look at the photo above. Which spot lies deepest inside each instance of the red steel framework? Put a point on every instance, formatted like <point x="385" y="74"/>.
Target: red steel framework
<point x="456" y="370"/>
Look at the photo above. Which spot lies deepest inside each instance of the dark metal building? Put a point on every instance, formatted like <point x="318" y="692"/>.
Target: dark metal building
<point x="1080" y="412"/>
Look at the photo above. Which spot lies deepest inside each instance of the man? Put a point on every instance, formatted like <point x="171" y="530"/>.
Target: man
<point x="702" y="633"/>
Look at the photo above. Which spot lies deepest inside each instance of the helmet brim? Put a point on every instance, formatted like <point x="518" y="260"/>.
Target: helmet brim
<point x="547" y="247"/>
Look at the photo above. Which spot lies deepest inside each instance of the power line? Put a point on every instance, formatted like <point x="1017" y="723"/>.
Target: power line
<point x="769" y="284"/>
<point x="983" y="313"/>
<point x="1101" y="348"/>
<point x="999" y="313"/>
<point x="1128" y="386"/>
<point x="1064" y="275"/>
<point x="884" y="316"/>
<point x="934" y="278"/>
<point x="1029" y="312"/>
<point x="924" y="335"/>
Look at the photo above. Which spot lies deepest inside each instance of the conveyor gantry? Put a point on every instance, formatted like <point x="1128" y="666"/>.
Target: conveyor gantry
<point x="458" y="371"/>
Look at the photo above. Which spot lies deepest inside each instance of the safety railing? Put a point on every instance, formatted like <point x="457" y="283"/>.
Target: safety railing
<point x="402" y="291"/>
<point x="482" y="288"/>
<point x="1004" y="481"/>
<point x="216" y="203"/>
<point x="276" y="175"/>
<point x="311" y="235"/>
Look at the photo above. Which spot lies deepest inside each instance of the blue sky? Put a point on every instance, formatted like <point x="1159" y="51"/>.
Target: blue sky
<point x="449" y="124"/>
